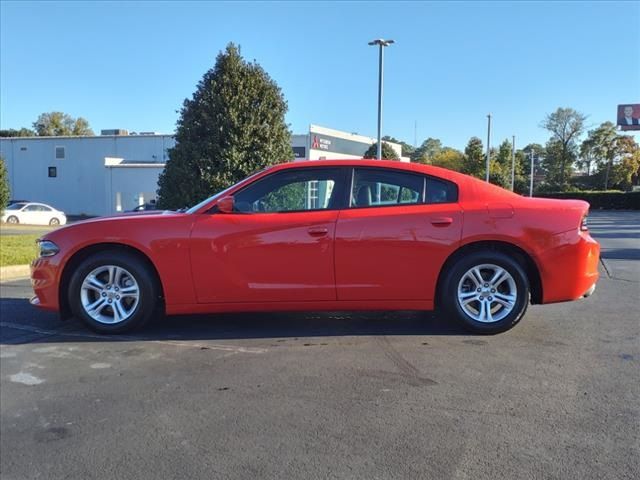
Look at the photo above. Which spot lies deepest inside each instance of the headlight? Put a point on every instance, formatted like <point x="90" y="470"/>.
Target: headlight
<point x="47" y="248"/>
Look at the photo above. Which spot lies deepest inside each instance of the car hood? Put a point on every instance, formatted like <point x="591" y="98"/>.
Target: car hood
<point x="120" y="221"/>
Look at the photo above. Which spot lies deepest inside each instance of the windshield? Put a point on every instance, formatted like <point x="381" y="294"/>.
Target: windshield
<point x="197" y="207"/>
<point x="16" y="206"/>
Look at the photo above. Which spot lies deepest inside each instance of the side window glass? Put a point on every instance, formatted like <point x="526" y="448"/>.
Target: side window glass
<point x="291" y="191"/>
<point x="441" y="191"/>
<point x="31" y="208"/>
<point x="377" y="188"/>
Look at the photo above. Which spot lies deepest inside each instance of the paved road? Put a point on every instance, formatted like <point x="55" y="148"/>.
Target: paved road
<point x="319" y="396"/>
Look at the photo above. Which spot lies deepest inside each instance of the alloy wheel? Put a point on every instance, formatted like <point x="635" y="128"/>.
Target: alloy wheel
<point x="109" y="294"/>
<point x="487" y="293"/>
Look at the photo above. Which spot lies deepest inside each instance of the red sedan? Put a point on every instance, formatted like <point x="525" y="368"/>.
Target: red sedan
<point x="326" y="235"/>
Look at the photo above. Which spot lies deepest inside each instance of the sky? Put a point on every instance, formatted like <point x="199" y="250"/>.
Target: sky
<point x="131" y="64"/>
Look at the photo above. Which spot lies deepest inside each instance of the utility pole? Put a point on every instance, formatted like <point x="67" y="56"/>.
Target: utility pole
<point x="513" y="161"/>
<point x="488" y="144"/>
<point x="381" y="43"/>
<point x="531" y="179"/>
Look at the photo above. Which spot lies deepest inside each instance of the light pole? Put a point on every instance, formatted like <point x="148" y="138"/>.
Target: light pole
<point x="513" y="161"/>
<point x="381" y="44"/>
<point x="488" y="144"/>
<point x="531" y="179"/>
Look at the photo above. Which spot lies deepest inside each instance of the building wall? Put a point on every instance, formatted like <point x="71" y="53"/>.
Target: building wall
<point x="129" y="186"/>
<point x="80" y="186"/>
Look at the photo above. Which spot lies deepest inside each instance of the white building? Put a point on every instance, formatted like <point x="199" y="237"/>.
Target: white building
<point x="325" y="143"/>
<point x="106" y="174"/>
<point x="86" y="175"/>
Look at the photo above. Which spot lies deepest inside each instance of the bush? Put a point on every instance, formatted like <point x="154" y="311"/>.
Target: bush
<point x="601" y="200"/>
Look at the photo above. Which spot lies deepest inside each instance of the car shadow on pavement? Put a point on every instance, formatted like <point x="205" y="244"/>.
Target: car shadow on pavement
<point x="22" y="323"/>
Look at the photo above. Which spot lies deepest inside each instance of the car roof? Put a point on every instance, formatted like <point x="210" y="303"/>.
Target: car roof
<point x="39" y="203"/>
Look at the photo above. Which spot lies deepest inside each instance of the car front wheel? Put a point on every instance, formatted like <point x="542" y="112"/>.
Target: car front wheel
<point x="113" y="292"/>
<point x="13" y="219"/>
<point x="54" y="221"/>
<point x="488" y="292"/>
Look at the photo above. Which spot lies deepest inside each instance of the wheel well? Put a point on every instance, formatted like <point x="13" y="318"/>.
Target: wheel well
<point x="84" y="253"/>
<point x="522" y="257"/>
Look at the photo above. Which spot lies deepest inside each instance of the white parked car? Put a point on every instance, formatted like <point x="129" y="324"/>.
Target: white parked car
<point x="33" y="214"/>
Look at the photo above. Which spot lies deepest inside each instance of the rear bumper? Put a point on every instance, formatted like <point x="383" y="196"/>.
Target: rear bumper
<point x="589" y="292"/>
<point x="570" y="269"/>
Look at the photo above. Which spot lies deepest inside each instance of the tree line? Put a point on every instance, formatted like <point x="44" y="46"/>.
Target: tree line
<point x="52" y="124"/>
<point x="604" y="159"/>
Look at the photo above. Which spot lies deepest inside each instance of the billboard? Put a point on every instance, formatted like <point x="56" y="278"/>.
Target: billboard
<point x="629" y="116"/>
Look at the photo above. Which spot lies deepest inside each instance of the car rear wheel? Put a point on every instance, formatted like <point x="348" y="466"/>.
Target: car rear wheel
<point x="488" y="292"/>
<point x="54" y="221"/>
<point x="113" y="292"/>
<point x="13" y="219"/>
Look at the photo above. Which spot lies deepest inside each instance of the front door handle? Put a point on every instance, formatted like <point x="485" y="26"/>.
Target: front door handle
<point x="441" y="221"/>
<point x="318" y="231"/>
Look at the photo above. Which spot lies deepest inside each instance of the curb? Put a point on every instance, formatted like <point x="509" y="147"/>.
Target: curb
<point x="14" y="272"/>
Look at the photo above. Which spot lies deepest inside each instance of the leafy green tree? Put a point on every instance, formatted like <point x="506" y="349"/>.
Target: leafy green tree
<point x="587" y="157"/>
<point x="612" y="153"/>
<point x="407" y="150"/>
<point x="388" y="153"/>
<point x="474" y="158"/>
<point x="626" y="165"/>
<point x="502" y="165"/>
<point x="566" y="125"/>
<point x="448" y="158"/>
<point x="426" y="152"/>
<point x="233" y="125"/>
<point x="5" y="190"/>
<point x="58" y="124"/>
<point x="557" y="165"/>
<point x="11" y="132"/>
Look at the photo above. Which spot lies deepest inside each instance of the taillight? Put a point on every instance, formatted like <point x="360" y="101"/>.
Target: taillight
<point x="583" y="224"/>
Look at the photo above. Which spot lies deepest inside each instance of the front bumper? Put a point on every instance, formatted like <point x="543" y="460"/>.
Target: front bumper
<point x="45" y="283"/>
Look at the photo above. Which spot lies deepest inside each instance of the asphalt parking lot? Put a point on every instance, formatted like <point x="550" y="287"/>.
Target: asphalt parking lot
<point x="316" y="395"/>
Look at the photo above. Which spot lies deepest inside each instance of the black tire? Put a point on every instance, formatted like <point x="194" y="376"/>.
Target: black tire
<point x="148" y="297"/>
<point x="54" y="221"/>
<point x="13" y="219"/>
<point x="452" y="307"/>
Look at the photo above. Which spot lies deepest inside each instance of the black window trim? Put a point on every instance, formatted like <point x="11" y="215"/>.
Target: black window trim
<point x="423" y="201"/>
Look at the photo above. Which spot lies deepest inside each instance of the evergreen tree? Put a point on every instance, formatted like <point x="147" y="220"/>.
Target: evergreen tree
<point x="5" y="191"/>
<point x="474" y="158"/>
<point x="407" y="150"/>
<point x="233" y="125"/>
<point x="388" y="153"/>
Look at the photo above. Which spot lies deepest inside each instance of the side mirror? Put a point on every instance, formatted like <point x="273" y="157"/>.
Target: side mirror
<point x="225" y="204"/>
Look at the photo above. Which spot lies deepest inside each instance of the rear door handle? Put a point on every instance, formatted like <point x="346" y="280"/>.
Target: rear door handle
<point x="318" y="231"/>
<point x="441" y="221"/>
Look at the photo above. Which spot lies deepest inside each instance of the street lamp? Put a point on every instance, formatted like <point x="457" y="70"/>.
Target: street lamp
<point x="513" y="162"/>
<point x="533" y="162"/>
<point x="488" y="145"/>
<point x="381" y="44"/>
